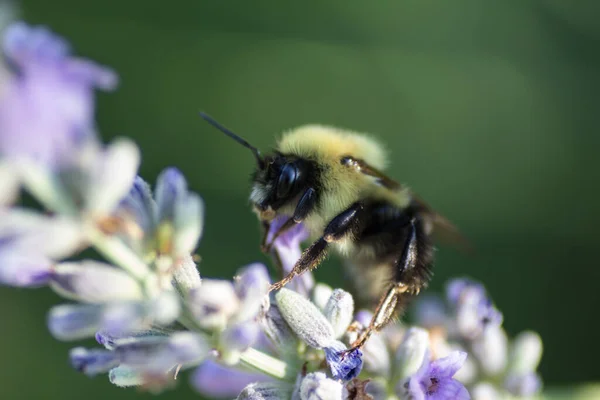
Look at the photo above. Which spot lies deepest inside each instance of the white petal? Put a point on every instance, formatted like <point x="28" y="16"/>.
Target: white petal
<point x="412" y="351"/>
<point x="187" y="220"/>
<point x="214" y="303"/>
<point x="113" y="176"/>
<point x="526" y="352"/>
<point x="95" y="282"/>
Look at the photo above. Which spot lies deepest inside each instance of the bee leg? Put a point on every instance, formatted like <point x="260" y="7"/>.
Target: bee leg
<point x="305" y="205"/>
<point x="412" y="273"/>
<point x="339" y="227"/>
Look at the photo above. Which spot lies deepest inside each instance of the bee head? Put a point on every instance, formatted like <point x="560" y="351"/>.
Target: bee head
<point x="281" y="180"/>
<point x="277" y="180"/>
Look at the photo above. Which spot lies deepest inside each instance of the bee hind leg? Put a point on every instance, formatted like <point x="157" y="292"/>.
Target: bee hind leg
<point x="412" y="273"/>
<point x="337" y="229"/>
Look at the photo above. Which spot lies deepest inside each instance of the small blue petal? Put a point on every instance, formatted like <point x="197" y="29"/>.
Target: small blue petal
<point x="94" y="361"/>
<point x="170" y="186"/>
<point x="71" y="322"/>
<point x="344" y="366"/>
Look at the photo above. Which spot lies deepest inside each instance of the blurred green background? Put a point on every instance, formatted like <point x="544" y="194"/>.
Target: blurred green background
<point x="489" y="109"/>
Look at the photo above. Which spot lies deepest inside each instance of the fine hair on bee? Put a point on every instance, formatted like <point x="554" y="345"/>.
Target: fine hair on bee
<point x="331" y="180"/>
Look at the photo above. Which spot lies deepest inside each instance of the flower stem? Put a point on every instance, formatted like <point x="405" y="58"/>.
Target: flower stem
<point x="118" y="253"/>
<point x="265" y="363"/>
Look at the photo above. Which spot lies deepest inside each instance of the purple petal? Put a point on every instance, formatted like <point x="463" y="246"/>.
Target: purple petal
<point x="170" y="186"/>
<point x="47" y="111"/>
<point x="287" y="247"/>
<point x="344" y="366"/>
<point x="139" y="206"/>
<point x="24" y="270"/>
<point x="94" y="361"/>
<point x="444" y="368"/>
<point x="215" y="380"/>
<point x="240" y="337"/>
<point x="71" y="322"/>
<point x="448" y="389"/>
<point x="292" y="237"/>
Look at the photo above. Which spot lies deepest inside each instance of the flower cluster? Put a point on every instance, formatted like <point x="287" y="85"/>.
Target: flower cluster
<point x="145" y="303"/>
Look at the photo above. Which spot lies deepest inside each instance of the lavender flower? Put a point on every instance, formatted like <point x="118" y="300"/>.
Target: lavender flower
<point x="434" y="379"/>
<point x="145" y="302"/>
<point x="287" y="250"/>
<point x="46" y="113"/>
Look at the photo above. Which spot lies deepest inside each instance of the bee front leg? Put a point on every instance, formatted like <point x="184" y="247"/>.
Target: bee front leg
<point x="305" y="205"/>
<point x="338" y="228"/>
<point x="412" y="273"/>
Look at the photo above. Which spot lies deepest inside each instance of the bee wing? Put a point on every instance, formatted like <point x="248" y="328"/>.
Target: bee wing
<point x="440" y="226"/>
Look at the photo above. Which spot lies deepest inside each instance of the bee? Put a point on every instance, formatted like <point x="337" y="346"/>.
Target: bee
<point x="331" y="181"/>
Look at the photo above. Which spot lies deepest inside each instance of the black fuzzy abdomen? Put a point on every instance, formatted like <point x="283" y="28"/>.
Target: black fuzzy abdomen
<point x="381" y="239"/>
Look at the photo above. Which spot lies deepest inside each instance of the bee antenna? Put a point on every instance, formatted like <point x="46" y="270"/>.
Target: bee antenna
<point x="237" y="138"/>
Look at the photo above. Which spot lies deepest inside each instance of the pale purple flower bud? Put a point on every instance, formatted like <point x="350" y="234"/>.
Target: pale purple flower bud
<point x="523" y="385"/>
<point x="316" y="386"/>
<point x="46" y="112"/>
<point x="320" y="295"/>
<point x="304" y="318"/>
<point x="170" y="187"/>
<point x="214" y="303"/>
<point x="344" y="364"/>
<point x="93" y="361"/>
<point x="236" y="339"/>
<point x="124" y="376"/>
<point x="433" y="381"/>
<point x="24" y="270"/>
<point x="251" y="286"/>
<point x="474" y="310"/>
<point x="94" y="282"/>
<point x="265" y="391"/>
<point x="287" y="248"/>
<point x="214" y="380"/>
<point x="412" y="352"/>
<point x="72" y="322"/>
<point x="186" y="276"/>
<point x="526" y="353"/>
<point x="491" y="350"/>
<point x="339" y="310"/>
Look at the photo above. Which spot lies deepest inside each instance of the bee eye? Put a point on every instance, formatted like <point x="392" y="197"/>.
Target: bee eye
<point x="286" y="181"/>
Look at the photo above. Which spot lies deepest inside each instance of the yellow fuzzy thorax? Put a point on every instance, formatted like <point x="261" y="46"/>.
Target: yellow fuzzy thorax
<point x="341" y="186"/>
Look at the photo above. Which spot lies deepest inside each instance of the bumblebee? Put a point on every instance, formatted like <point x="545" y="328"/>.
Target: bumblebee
<point x="331" y="181"/>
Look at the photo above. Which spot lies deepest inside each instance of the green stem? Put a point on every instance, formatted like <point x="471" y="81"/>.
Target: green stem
<point x="118" y="253"/>
<point x="265" y="363"/>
